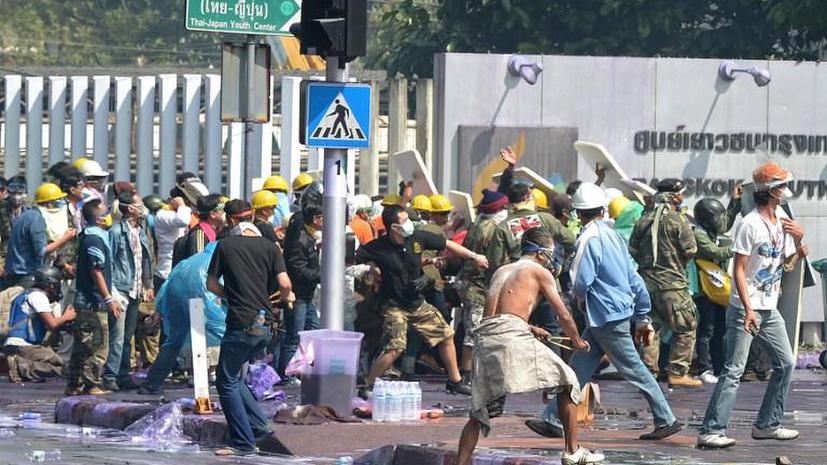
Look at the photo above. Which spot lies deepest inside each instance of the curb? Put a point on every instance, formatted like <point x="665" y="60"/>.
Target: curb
<point x="208" y="430"/>
<point x="435" y="455"/>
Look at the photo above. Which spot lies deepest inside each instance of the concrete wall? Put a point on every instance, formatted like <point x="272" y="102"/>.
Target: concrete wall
<point x="609" y="100"/>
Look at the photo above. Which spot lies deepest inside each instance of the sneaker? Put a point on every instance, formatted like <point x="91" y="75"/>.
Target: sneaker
<point x="749" y="377"/>
<point x="97" y="391"/>
<point x="714" y="441"/>
<point x="127" y="384"/>
<point x="458" y="388"/>
<point x="684" y="382"/>
<point x="147" y="390"/>
<point x="708" y="377"/>
<point x="662" y="432"/>
<point x="581" y="457"/>
<point x="72" y="391"/>
<point x="779" y="434"/>
<point x="365" y="392"/>
<point x="14" y="375"/>
<point x="544" y="429"/>
<point x="110" y="385"/>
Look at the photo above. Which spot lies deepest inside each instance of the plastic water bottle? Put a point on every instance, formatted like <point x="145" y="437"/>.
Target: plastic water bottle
<point x="410" y="412"/>
<point x="380" y="401"/>
<point x="395" y="402"/>
<point x="417" y="401"/>
<point x="261" y="319"/>
<point x="346" y="460"/>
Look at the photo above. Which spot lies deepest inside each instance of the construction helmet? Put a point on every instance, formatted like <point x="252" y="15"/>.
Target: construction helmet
<point x="421" y="203"/>
<point x="589" y="196"/>
<point x="391" y="200"/>
<point x="302" y="180"/>
<point x="91" y="169"/>
<point x="769" y="176"/>
<point x="616" y="206"/>
<point x="264" y="199"/>
<point x="276" y="183"/>
<point x="440" y="204"/>
<point x="540" y="199"/>
<point x="154" y="202"/>
<point x="362" y="203"/>
<point x="48" y="192"/>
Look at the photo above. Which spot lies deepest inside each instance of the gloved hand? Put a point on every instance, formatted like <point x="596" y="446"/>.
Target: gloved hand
<point x="422" y="283"/>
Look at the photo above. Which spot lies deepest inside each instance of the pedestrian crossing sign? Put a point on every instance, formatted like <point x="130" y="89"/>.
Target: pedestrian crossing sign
<point x="338" y="115"/>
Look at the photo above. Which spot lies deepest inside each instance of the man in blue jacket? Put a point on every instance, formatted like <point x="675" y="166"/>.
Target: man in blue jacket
<point x="615" y="295"/>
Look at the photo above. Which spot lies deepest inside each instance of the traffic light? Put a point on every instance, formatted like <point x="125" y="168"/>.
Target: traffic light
<point x="333" y="28"/>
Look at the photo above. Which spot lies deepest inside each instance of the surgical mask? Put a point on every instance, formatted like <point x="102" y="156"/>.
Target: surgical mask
<point x="407" y="229"/>
<point x="785" y="194"/>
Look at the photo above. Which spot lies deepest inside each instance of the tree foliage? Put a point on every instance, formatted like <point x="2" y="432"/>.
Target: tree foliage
<point x="100" y="33"/>
<point x="408" y="33"/>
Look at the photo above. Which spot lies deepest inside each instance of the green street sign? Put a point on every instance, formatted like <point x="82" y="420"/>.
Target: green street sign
<point x="261" y="17"/>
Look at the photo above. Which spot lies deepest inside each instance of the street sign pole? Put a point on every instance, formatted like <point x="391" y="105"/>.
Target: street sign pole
<point x="249" y="129"/>
<point x="334" y="209"/>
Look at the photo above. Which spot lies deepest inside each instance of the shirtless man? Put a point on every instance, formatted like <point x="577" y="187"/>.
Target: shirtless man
<point x="509" y="358"/>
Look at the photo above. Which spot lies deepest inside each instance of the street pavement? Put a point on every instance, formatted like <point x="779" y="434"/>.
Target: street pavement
<point x="621" y="418"/>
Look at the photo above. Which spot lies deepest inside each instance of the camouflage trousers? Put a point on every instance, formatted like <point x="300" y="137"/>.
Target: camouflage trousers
<point x="147" y="337"/>
<point x="672" y="310"/>
<point x="90" y="349"/>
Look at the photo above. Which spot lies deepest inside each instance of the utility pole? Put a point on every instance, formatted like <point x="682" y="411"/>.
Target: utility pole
<point x="334" y="209"/>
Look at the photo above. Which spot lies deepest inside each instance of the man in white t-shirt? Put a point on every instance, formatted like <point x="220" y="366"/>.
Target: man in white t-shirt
<point x="29" y="320"/>
<point x="767" y="243"/>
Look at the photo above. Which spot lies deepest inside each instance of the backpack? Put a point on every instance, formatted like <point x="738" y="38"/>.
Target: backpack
<point x="716" y="284"/>
<point x="7" y="297"/>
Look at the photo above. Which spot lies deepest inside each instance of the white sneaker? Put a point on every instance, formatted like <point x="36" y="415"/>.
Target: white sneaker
<point x="714" y="441"/>
<point x="581" y="457"/>
<point x="708" y="377"/>
<point x="779" y="434"/>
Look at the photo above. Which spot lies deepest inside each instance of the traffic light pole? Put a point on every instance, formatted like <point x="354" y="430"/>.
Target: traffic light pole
<point x="335" y="219"/>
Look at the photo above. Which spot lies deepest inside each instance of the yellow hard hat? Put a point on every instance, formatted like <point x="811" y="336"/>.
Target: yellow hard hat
<point x="617" y="205"/>
<point x="79" y="162"/>
<point x="440" y="204"/>
<point x="540" y="198"/>
<point x="391" y="200"/>
<point x="276" y="183"/>
<point x="264" y="199"/>
<point x="303" y="180"/>
<point x="48" y="192"/>
<point x="422" y="203"/>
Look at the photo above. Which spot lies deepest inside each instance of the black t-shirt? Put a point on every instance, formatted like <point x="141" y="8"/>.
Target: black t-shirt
<point x="267" y="231"/>
<point x="400" y="266"/>
<point x="249" y="266"/>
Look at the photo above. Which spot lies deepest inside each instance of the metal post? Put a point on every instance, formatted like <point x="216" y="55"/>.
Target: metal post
<point x="249" y="132"/>
<point x="335" y="219"/>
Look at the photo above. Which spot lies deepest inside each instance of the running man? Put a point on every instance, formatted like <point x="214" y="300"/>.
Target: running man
<point x="509" y="358"/>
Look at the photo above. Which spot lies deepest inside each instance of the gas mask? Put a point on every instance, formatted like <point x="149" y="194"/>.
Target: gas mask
<point x="552" y="264"/>
<point x="17" y="199"/>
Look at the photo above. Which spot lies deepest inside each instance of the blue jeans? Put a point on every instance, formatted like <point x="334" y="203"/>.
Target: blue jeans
<point x="736" y="345"/>
<point x="245" y="420"/>
<point x="121" y="330"/>
<point x="303" y="317"/>
<point x="615" y="340"/>
<point x="170" y="349"/>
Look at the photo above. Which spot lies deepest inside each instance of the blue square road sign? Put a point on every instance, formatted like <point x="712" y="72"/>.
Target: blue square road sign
<point x="338" y="115"/>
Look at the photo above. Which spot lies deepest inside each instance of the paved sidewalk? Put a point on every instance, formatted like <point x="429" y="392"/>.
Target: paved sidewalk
<point x="624" y="416"/>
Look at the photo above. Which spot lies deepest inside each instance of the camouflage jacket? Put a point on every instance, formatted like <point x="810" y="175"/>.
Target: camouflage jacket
<point x="504" y="247"/>
<point x="431" y="270"/>
<point x="5" y="227"/>
<point x="478" y="238"/>
<point x="662" y="243"/>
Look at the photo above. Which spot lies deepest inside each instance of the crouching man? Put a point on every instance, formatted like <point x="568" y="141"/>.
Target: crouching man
<point x="29" y="320"/>
<point x="508" y="358"/>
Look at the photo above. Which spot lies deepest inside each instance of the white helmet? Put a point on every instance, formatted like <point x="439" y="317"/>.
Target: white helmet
<point x="613" y="193"/>
<point x="589" y="196"/>
<point x="92" y="169"/>
<point x="362" y="202"/>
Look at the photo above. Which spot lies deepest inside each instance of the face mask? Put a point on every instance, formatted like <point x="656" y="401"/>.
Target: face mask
<point x="57" y="221"/>
<point x="784" y="195"/>
<point x="407" y="229"/>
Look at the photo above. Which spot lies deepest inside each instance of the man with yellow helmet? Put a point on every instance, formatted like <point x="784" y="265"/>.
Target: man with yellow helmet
<point x="301" y="183"/>
<point x="264" y="204"/>
<point x="421" y="205"/>
<point x="37" y="233"/>
<point x="278" y="185"/>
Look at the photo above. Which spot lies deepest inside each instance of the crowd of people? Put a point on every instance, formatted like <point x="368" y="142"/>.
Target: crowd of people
<point x="642" y="286"/>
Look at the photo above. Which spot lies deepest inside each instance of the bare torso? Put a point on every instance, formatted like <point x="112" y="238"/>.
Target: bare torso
<point x="515" y="289"/>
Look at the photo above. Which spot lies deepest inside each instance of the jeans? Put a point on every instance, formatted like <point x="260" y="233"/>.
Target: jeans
<point x="170" y="349"/>
<point x="121" y="330"/>
<point x="710" y="336"/>
<point x="303" y="317"/>
<point x="245" y="420"/>
<point x="615" y="340"/>
<point x="737" y="343"/>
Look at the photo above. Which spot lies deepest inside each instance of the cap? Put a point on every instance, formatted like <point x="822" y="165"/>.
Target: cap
<point x="492" y="201"/>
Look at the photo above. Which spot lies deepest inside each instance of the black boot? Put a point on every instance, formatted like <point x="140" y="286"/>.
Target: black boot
<point x="458" y="388"/>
